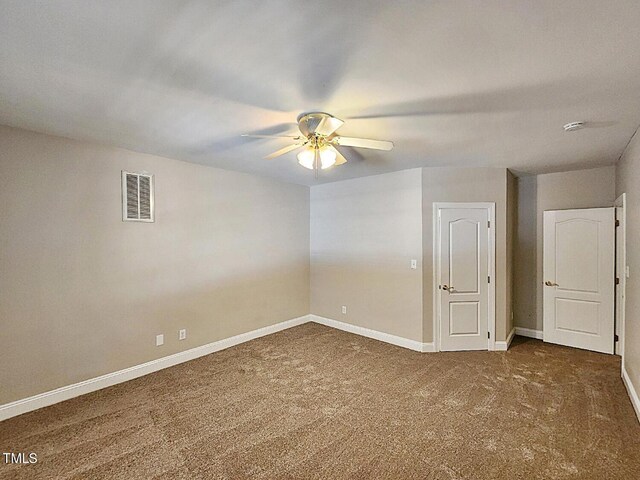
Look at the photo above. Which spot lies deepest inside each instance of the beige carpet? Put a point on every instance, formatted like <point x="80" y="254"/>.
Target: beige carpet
<point x="313" y="402"/>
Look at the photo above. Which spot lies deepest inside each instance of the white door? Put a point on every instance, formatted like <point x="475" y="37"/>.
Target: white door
<point x="463" y="278"/>
<point x="578" y="258"/>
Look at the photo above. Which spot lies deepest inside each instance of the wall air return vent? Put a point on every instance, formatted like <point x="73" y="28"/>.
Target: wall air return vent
<point x="137" y="197"/>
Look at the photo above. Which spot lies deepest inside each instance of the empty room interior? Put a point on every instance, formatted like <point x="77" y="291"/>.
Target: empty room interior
<point x="329" y="240"/>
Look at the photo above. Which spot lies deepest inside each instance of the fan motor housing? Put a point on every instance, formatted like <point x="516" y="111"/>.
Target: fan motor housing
<point x="308" y="123"/>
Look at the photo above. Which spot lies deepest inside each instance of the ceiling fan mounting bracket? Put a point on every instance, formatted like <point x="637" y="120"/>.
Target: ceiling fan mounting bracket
<point x="313" y="114"/>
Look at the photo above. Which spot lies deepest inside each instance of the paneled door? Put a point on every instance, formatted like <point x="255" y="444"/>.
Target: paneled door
<point x="579" y="278"/>
<point x="463" y="265"/>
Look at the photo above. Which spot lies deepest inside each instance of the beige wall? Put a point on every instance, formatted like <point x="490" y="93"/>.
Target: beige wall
<point x="83" y="293"/>
<point x="466" y="185"/>
<point x="577" y="189"/>
<point x="364" y="233"/>
<point x="628" y="181"/>
<point x="525" y="254"/>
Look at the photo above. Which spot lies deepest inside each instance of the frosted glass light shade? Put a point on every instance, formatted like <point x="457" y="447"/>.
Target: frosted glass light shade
<point x="327" y="157"/>
<point x="306" y="158"/>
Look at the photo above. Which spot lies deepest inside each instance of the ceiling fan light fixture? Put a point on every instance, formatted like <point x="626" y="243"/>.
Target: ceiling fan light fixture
<point x="307" y="157"/>
<point x="328" y="157"/>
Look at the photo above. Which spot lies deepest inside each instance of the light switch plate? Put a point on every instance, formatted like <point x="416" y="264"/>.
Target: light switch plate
<point x="159" y="340"/>
<point x="414" y="264"/>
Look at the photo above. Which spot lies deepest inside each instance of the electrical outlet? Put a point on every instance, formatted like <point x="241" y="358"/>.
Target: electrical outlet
<point x="344" y="309"/>
<point x="182" y="334"/>
<point x="414" y="264"/>
<point x="159" y="340"/>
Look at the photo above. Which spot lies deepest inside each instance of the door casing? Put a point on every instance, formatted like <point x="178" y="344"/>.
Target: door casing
<point x="491" y="210"/>
<point x="621" y="273"/>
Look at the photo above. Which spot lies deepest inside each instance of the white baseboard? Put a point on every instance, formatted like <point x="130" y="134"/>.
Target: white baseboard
<point x="504" y="346"/>
<point x="529" y="332"/>
<point x="61" y="394"/>
<point x="45" y="399"/>
<point x="633" y="395"/>
<point x="376" y="335"/>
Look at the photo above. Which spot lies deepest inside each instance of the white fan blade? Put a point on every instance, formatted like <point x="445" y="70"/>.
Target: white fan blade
<point x="339" y="157"/>
<point x="295" y="137"/>
<point x="328" y="125"/>
<point x="284" y="150"/>
<point x="363" y="143"/>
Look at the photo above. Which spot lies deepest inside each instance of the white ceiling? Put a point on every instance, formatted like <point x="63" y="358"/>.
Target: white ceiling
<point x="452" y="83"/>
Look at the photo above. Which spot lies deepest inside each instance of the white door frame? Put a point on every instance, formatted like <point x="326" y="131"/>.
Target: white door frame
<point x="620" y="292"/>
<point x="491" y="320"/>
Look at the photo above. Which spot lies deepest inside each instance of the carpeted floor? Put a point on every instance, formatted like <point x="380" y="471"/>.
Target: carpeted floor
<point x="313" y="402"/>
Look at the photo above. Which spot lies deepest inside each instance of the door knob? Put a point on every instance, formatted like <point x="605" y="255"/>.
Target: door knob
<point x="551" y="284"/>
<point x="448" y="288"/>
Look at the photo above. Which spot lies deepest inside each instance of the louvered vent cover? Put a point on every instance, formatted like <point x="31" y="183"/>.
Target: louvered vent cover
<point x="137" y="197"/>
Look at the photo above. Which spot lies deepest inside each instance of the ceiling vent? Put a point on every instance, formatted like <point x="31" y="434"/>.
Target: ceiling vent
<point x="137" y="197"/>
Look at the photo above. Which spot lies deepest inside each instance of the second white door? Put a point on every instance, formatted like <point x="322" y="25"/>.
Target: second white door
<point x="463" y="278"/>
<point x="579" y="278"/>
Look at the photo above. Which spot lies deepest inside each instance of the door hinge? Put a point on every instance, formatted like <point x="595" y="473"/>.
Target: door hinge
<point x="488" y="279"/>
<point x="489" y="224"/>
<point x="617" y="223"/>
<point x="617" y="281"/>
<point x="616" y="338"/>
<point x="488" y="334"/>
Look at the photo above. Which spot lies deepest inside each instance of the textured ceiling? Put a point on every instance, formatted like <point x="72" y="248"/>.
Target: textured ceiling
<point x="452" y="83"/>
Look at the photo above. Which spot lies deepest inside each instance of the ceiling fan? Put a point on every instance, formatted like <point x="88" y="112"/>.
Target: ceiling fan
<point x="319" y="140"/>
